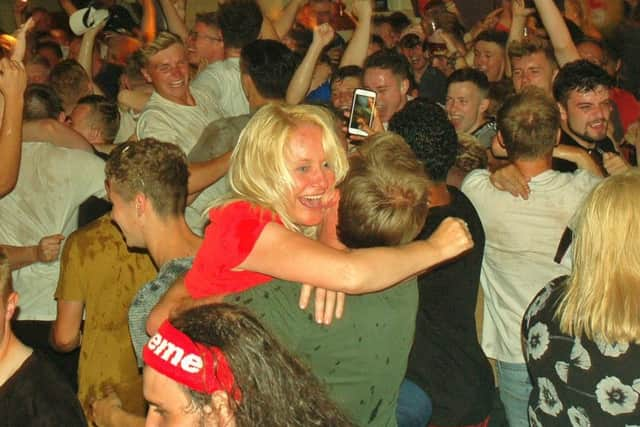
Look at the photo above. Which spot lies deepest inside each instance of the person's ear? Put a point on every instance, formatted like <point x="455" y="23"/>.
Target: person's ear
<point x="95" y="134"/>
<point x="484" y="105"/>
<point x="404" y="87"/>
<point x="146" y="75"/>
<point x="498" y="149"/>
<point x="12" y="304"/>
<point x="141" y="204"/>
<point x="123" y="82"/>
<point x="247" y="85"/>
<point x="563" y="112"/>
<point x="500" y="140"/>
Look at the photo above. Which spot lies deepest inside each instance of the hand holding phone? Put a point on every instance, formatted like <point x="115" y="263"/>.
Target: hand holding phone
<point x="362" y="107"/>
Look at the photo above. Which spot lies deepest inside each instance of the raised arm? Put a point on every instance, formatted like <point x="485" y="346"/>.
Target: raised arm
<point x="268" y="29"/>
<point x="564" y="48"/>
<point x="455" y="48"/>
<point x="174" y="21"/>
<point x="301" y="81"/>
<point x="66" y="5"/>
<point x="148" y="28"/>
<point x="287" y="17"/>
<point x="13" y="81"/>
<point x="356" y="50"/>
<point x="19" y="6"/>
<point x="20" y="46"/>
<point x="85" y="55"/>
<point x="487" y="23"/>
<point x="519" y="15"/>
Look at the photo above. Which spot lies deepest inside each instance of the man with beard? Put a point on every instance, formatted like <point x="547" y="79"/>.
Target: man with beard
<point x="522" y="236"/>
<point x="582" y="91"/>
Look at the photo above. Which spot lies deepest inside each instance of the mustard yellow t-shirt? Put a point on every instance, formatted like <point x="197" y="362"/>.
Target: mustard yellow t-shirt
<point x="98" y="269"/>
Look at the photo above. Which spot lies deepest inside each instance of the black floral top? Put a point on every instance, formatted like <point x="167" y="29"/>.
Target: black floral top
<point x="577" y="382"/>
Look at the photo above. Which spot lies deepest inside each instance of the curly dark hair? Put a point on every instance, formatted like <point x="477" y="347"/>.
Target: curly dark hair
<point x="156" y="169"/>
<point x="277" y="390"/>
<point x="240" y="22"/>
<point x="580" y="75"/>
<point x="424" y="126"/>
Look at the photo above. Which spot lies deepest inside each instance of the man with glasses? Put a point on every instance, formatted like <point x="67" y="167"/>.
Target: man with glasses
<point x="204" y="44"/>
<point x="240" y="22"/>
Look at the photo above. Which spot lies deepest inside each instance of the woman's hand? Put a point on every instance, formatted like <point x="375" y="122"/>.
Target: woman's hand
<point x="327" y="303"/>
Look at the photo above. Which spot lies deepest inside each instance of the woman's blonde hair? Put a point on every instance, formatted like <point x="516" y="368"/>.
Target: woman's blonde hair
<point x="602" y="298"/>
<point x="259" y="172"/>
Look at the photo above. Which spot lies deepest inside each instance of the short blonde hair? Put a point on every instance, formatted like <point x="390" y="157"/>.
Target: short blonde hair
<point x="529" y="122"/>
<point x="529" y="46"/>
<point x="259" y="172"/>
<point x="156" y="169"/>
<point x="384" y="198"/>
<point x="602" y="298"/>
<point x="163" y="40"/>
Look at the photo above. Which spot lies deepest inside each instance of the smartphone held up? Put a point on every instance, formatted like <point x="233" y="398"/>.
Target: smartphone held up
<point x="362" y="107"/>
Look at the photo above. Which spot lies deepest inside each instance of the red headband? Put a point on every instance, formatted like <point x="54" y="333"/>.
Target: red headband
<point x="199" y="367"/>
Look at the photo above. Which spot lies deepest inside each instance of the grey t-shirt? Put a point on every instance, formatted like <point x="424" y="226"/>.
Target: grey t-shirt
<point x="147" y="298"/>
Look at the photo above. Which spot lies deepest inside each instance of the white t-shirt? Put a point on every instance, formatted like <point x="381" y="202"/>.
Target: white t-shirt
<point x="522" y="237"/>
<point x="178" y="124"/>
<point x="128" y="121"/>
<point x="222" y="80"/>
<point x="52" y="183"/>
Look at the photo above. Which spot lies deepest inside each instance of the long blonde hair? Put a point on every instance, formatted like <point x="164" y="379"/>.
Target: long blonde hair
<point x="258" y="171"/>
<point x="602" y="298"/>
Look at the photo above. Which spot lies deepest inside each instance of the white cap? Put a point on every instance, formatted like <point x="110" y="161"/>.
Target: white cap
<point x="83" y="19"/>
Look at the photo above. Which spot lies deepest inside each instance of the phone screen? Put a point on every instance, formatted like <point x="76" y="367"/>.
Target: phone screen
<point x="362" y="111"/>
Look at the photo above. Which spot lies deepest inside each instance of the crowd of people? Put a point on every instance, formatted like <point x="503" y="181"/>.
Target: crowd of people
<point x="190" y="235"/>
